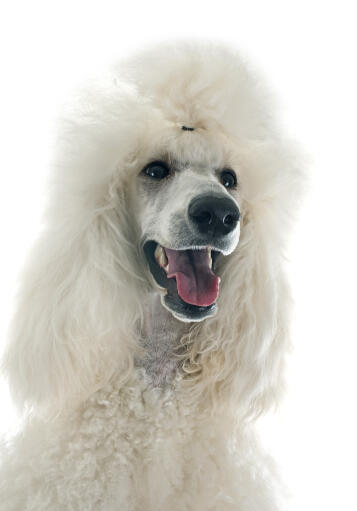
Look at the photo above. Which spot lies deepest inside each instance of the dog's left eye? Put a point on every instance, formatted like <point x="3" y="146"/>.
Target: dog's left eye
<point x="156" y="170"/>
<point x="228" y="179"/>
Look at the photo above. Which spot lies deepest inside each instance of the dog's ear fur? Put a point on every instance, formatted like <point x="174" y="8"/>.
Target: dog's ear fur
<point x="77" y="309"/>
<point x="238" y="356"/>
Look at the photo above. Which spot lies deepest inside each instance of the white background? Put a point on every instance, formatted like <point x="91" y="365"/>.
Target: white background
<point x="307" y="51"/>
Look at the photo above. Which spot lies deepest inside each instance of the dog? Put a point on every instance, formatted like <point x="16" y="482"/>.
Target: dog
<point x="152" y="320"/>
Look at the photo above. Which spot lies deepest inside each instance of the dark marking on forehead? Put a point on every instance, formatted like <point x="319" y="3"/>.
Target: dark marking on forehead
<point x="187" y="128"/>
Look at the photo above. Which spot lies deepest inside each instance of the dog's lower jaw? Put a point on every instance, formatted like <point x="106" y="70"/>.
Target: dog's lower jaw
<point x="193" y="317"/>
<point x="160" y="338"/>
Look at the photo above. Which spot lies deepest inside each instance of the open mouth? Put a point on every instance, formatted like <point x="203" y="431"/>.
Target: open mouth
<point x="188" y="277"/>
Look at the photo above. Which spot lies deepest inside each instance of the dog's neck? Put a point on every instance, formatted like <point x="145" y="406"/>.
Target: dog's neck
<point x="160" y="336"/>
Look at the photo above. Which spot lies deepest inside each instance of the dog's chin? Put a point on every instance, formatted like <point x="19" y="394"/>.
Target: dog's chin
<point x="181" y="301"/>
<point x="187" y="312"/>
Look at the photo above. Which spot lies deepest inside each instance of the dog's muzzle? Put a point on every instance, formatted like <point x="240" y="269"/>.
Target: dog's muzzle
<point x="186" y="271"/>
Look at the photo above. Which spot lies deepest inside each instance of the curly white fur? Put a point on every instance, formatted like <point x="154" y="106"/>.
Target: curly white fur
<point x="97" y="433"/>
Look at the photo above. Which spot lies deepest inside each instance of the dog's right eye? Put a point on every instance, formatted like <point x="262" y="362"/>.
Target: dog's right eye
<point x="156" y="170"/>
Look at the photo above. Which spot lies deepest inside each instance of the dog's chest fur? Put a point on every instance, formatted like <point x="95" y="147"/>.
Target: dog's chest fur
<point x="160" y="338"/>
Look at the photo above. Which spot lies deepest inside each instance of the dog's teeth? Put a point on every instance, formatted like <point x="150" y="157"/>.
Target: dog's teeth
<point x="163" y="259"/>
<point x="160" y="256"/>
<point x="210" y="258"/>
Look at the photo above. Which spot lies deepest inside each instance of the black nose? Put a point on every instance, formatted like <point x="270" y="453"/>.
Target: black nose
<point x="213" y="215"/>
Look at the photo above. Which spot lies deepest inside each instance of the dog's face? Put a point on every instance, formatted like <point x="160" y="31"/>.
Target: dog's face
<point x="188" y="218"/>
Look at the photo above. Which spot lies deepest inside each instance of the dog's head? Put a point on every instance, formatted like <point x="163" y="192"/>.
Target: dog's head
<point x="189" y="217"/>
<point x="170" y="177"/>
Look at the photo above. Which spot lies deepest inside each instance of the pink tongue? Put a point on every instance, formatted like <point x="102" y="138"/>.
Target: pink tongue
<point x="196" y="283"/>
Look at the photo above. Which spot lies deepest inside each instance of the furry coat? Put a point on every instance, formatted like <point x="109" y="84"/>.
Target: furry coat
<point x="96" y="432"/>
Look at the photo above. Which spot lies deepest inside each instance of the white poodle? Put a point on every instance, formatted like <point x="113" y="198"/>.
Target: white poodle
<point x="151" y="325"/>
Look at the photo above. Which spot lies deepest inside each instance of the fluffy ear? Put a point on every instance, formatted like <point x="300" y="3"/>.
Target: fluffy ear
<point x="73" y="324"/>
<point x="77" y="304"/>
<point x="238" y="356"/>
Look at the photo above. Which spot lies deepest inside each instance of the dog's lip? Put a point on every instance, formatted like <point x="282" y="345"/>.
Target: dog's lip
<point x="214" y="249"/>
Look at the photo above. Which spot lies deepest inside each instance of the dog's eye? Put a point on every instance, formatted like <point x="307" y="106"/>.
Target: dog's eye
<point x="156" y="170"/>
<point x="228" y="179"/>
